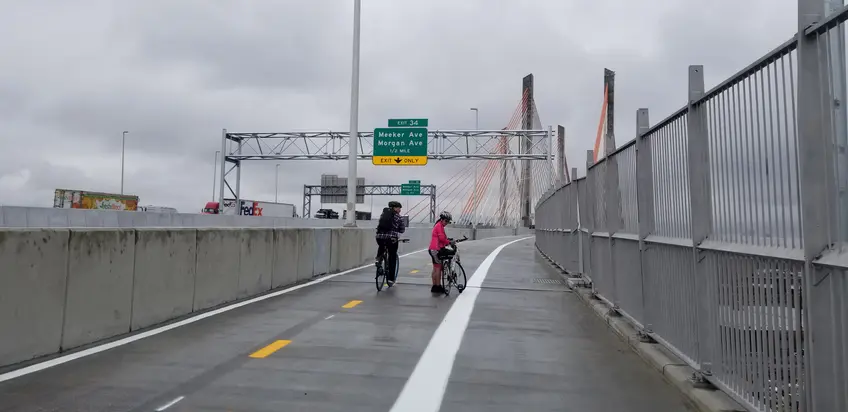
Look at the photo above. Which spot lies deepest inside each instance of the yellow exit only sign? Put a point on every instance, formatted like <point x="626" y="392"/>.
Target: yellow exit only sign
<point x="399" y="160"/>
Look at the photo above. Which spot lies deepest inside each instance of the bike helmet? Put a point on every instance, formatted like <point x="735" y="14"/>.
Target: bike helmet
<point x="394" y="203"/>
<point x="446" y="216"/>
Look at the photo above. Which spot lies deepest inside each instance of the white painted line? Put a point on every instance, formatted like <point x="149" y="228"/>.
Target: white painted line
<point x="329" y="317"/>
<point x="170" y="404"/>
<point x="129" y="339"/>
<point x="425" y="388"/>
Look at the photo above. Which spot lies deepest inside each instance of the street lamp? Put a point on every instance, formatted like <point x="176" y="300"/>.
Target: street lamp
<point x="354" y="121"/>
<point x="277" y="183"/>
<point x="476" y="148"/>
<point x="214" y="171"/>
<point x="123" y="145"/>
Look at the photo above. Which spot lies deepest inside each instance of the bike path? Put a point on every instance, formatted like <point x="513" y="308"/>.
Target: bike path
<point x="534" y="346"/>
<point x="342" y="346"/>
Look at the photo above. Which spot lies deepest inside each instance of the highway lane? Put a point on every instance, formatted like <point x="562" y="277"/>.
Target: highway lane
<point x="340" y="345"/>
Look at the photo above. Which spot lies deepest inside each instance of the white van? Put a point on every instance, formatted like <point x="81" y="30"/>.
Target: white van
<point x="157" y="209"/>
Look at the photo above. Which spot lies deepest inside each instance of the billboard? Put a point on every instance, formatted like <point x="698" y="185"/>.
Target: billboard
<point x="334" y="189"/>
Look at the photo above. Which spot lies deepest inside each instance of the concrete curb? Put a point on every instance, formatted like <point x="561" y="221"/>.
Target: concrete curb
<point x="672" y="368"/>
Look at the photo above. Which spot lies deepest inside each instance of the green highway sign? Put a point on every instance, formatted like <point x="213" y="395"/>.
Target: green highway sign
<point x="400" y="146"/>
<point x="415" y="182"/>
<point x="410" y="190"/>
<point x="408" y="122"/>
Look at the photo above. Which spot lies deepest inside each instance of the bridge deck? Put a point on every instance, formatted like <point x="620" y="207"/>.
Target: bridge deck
<point x="528" y="345"/>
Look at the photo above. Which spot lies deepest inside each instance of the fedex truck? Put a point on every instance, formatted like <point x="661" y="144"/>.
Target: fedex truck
<point x="251" y="208"/>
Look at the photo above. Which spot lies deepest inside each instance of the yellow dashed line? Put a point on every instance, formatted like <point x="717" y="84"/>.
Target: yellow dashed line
<point x="414" y="271"/>
<point x="270" y="349"/>
<point x="351" y="304"/>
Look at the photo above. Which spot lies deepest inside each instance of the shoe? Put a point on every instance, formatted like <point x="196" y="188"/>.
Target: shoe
<point x="437" y="289"/>
<point x="390" y="283"/>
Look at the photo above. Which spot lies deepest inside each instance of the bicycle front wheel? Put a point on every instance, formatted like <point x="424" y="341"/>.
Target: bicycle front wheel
<point x="446" y="277"/>
<point x="397" y="268"/>
<point x="461" y="281"/>
<point x="380" y="278"/>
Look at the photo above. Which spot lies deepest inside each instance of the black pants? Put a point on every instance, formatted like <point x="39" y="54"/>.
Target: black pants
<point x="390" y="245"/>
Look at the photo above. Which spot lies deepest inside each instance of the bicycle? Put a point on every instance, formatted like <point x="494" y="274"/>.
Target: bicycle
<point x="450" y="263"/>
<point x="381" y="272"/>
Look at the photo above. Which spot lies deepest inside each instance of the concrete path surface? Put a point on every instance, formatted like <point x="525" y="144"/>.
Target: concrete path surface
<point x="515" y="340"/>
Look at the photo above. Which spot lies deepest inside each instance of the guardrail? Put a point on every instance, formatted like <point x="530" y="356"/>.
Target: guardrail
<point x="721" y="234"/>
<point x="44" y="217"/>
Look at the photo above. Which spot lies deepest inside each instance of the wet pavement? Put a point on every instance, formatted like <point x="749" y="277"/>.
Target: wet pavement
<point x="340" y="345"/>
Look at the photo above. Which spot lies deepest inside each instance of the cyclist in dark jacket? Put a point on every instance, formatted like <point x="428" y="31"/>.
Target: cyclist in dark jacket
<point x="389" y="229"/>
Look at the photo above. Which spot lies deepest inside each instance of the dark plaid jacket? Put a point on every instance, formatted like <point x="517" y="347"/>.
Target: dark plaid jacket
<point x="397" y="228"/>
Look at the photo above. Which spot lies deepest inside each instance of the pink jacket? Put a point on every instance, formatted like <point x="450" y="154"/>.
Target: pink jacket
<point x="439" y="239"/>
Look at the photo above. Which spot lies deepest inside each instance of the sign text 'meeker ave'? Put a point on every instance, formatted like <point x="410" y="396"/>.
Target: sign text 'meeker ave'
<point x="398" y="146"/>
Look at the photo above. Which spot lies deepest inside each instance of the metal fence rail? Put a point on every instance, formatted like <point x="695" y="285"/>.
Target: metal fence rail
<point x="722" y="231"/>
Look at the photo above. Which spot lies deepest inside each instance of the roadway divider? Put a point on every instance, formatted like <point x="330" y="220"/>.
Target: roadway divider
<point x="65" y="288"/>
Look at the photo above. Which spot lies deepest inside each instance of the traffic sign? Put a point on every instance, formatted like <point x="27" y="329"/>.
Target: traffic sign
<point x="399" y="160"/>
<point x="400" y="146"/>
<point x="408" y="122"/>
<point x="415" y="182"/>
<point x="410" y="190"/>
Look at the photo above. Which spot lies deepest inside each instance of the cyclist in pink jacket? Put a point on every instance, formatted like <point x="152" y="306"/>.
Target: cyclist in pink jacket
<point x="438" y="241"/>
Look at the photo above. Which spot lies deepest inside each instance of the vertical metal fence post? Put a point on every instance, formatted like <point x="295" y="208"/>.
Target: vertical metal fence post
<point x="644" y="207"/>
<point x="700" y="203"/>
<point x="589" y="220"/>
<point x="581" y="265"/>
<point x="612" y="197"/>
<point x="815" y="160"/>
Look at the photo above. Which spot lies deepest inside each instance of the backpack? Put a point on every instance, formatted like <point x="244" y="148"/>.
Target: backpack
<point x="387" y="220"/>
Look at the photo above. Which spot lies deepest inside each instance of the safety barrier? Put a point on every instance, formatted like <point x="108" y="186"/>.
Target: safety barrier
<point x="721" y="234"/>
<point x="64" y="288"/>
<point x="45" y="217"/>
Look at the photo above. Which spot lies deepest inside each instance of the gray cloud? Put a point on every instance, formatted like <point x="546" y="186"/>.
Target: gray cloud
<point x="175" y="73"/>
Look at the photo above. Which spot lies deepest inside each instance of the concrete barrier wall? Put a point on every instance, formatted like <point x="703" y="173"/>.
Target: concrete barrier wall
<point x="164" y="275"/>
<point x="46" y="217"/>
<point x="495" y="232"/>
<point x="33" y="281"/>
<point x="99" y="260"/>
<point x="65" y="288"/>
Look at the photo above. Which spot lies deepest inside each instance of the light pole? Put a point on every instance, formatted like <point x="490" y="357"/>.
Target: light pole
<point x="123" y="145"/>
<point x="214" y="170"/>
<point x="277" y="183"/>
<point x="476" y="148"/>
<point x="354" y="121"/>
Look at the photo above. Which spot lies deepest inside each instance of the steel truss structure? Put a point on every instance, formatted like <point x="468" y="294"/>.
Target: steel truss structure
<point x="524" y="145"/>
<point x="367" y="190"/>
<point x="441" y="145"/>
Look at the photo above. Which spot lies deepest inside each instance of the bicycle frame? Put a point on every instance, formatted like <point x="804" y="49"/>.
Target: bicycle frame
<point x="384" y="261"/>
<point x="449" y="265"/>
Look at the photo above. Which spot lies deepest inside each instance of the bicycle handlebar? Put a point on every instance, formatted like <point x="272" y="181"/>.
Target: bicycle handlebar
<point x="455" y="241"/>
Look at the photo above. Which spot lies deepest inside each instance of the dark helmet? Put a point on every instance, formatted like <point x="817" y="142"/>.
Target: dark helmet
<point x="394" y="203"/>
<point x="446" y="216"/>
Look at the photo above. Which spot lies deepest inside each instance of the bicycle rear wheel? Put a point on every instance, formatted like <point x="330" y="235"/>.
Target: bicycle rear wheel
<point x="460" y="278"/>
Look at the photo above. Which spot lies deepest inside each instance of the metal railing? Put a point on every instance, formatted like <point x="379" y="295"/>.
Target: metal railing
<point x="721" y="232"/>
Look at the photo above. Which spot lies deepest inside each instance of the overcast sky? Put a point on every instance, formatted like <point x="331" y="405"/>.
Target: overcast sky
<point x="75" y="74"/>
